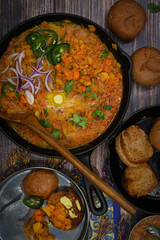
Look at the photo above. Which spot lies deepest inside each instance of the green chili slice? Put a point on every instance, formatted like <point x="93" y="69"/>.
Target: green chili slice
<point x="31" y="37"/>
<point x="33" y="202"/>
<point x="60" y="40"/>
<point x="6" y="86"/>
<point x="39" y="45"/>
<point x="58" y="51"/>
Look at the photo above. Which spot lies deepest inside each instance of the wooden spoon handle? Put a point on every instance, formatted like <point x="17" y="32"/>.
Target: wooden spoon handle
<point x="97" y="181"/>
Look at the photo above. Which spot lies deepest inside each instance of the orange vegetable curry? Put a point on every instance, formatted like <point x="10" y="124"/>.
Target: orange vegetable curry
<point x="66" y="76"/>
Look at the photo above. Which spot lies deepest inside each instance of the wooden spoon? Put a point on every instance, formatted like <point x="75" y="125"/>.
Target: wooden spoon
<point x="28" y="119"/>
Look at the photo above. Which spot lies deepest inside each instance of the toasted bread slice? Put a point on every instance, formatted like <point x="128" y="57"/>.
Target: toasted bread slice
<point x="122" y="155"/>
<point x="139" y="181"/>
<point x="154" y="135"/>
<point x="133" y="146"/>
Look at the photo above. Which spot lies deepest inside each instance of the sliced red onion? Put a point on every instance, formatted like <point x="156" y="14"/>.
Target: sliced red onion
<point x="39" y="63"/>
<point x="38" y="87"/>
<point x="11" y="81"/>
<point x="29" y="96"/>
<point x="46" y="81"/>
<point x="19" y="84"/>
<point x="5" y="70"/>
<point x="30" y="82"/>
<point x="13" y="55"/>
<point x="50" y="81"/>
<point x="3" y="80"/>
<point x="38" y="71"/>
<point x="34" y="74"/>
<point x="47" y="60"/>
<point x="17" y="68"/>
<point x="20" y="60"/>
<point x="14" y="70"/>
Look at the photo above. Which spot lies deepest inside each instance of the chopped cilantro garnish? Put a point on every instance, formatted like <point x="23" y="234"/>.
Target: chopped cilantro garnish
<point x="68" y="86"/>
<point x="98" y="113"/>
<point x="54" y="77"/>
<point x="88" y="89"/>
<point x="77" y="120"/>
<point x="104" y="54"/>
<point x="45" y="123"/>
<point x="94" y="95"/>
<point x="153" y="7"/>
<point x="55" y="133"/>
<point x="45" y="112"/>
<point x="108" y="107"/>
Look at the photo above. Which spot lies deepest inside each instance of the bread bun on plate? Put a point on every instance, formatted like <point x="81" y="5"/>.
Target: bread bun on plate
<point x="154" y="135"/>
<point x="146" y="66"/>
<point x="126" y="19"/>
<point x="139" y="181"/>
<point x="40" y="183"/>
<point x="133" y="146"/>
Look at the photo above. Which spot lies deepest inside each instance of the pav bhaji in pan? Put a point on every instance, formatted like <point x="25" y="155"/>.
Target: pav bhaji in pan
<point x="66" y="76"/>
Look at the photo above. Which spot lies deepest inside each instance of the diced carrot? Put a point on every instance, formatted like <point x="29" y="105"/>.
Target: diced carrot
<point x="61" y="217"/>
<point x="107" y="69"/>
<point x="5" y="61"/>
<point x="81" y="52"/>
<point x="90" y="116"/>
<point x="66" y="58"/>
<point x="95" y="88"/>
<point x="91" y="28"/>
<point x="44" y="24"/>
<point x="75" y="74"/>
<point x="23" y="100"/>
<point x="39" y="218"/>
<point x="11" y="44"/>
<point x="83" y="88"/>
<point x="108" y="61"/>
<point x="28" y="52"/>
<point x="38" y="212"/>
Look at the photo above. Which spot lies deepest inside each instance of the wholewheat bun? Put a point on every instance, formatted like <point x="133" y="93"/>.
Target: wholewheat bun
<point x="133" y="146"/>
<point x="154" y="135"/>
<point x="139" y="181"/>
<point x="40" y="183"/>
<point x="126" y="19"/>
<point x="146" y="66"/>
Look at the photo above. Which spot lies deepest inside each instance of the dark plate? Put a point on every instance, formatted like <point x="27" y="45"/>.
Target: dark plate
<point x="12" y="229"/>
<point x="144" y="118"/>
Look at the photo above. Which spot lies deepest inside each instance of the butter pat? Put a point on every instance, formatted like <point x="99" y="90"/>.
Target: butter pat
<point x="72" y="214"/>
<point x="78" y="205"/>
<point x="58" y="99"/>
<point x="66" y="202"/>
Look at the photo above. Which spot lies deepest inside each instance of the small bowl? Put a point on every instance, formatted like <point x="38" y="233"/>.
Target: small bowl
<point x="139" y="231"/>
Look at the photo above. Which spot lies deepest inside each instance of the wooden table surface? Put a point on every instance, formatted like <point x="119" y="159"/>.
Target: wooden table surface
<point x="13" y="12"/>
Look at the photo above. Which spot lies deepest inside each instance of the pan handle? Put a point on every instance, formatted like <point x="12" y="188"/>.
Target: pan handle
<point x="92" y="190"/>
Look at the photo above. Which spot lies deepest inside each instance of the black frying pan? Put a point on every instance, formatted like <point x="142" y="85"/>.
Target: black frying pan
<point x="144" y="118"/>
<point x="126" y="64"/>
